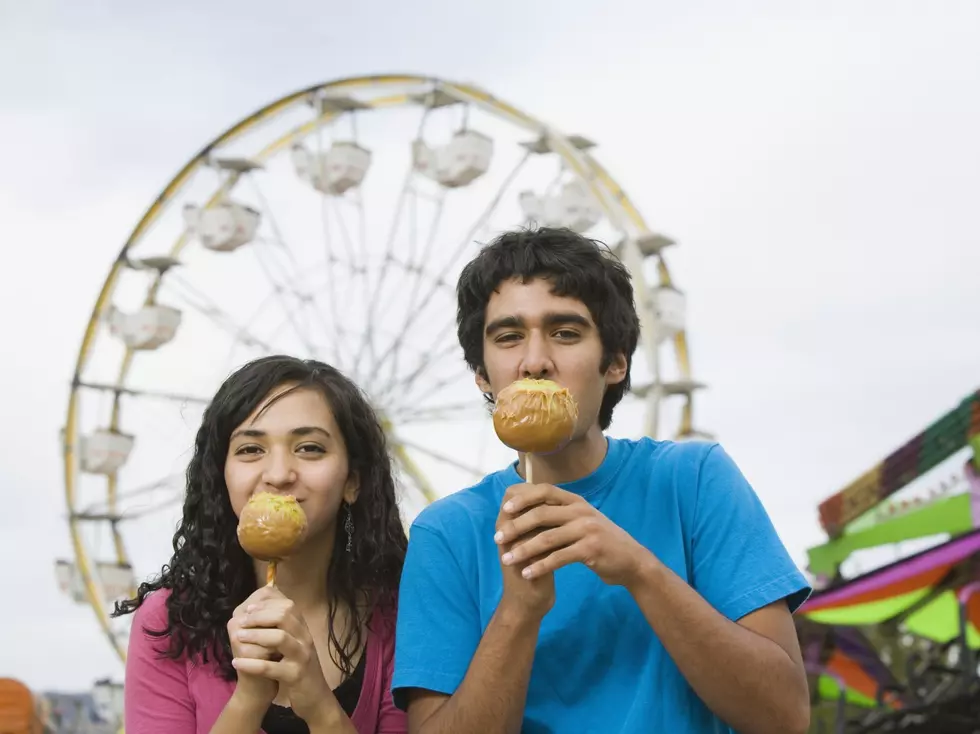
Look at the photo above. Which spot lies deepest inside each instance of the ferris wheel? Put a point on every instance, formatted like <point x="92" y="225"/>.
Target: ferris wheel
<point x="333" y="223"/>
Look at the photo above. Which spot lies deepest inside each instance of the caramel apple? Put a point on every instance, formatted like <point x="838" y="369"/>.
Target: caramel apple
<point x="535" y="416"/>
<point x="270" y="528"/>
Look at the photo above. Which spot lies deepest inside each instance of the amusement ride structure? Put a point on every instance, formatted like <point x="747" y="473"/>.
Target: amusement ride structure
<point x="332" y="223"/>
<point x="896" y="648"/>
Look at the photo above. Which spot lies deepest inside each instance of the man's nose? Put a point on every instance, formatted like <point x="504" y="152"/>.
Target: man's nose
<point x="537" y="361"/>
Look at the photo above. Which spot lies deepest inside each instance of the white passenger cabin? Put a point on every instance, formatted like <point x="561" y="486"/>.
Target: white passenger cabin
<point x="118" y="580"/>
<point x="457" y="163"/>
<point x="149" y="328"/>
<point x="224" y="227"/>
<point x="115" y="580"/>
<point x="105" y="451"/>
<point x="334" y="171"/>
<point x="670" y="311"/>
<point x="573" y="207"/>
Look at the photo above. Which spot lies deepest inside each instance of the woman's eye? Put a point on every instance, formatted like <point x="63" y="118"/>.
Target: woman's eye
<point x="508" y="337"/>
<point x="311" y="448"/>
<point x="247" y="450"/>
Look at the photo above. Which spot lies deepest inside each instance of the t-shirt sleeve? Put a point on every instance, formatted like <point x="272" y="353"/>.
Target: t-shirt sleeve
<point x="157" y="700"/>
<point x="739" y="563"/>
<point x="438" y="627"/>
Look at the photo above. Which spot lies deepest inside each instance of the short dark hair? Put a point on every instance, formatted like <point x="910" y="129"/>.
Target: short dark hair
<point x="576" y="266"/>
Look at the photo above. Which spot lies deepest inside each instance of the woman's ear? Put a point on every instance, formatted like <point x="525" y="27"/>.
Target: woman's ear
<point x="352" y="488"/>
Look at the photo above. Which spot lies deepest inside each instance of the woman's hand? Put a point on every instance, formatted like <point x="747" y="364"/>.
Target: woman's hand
<point x="272" y="622"/>
<point x="253" y="691"/>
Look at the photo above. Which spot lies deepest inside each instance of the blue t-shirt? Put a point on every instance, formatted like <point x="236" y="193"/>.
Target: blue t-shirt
<point x="598" y="666"/>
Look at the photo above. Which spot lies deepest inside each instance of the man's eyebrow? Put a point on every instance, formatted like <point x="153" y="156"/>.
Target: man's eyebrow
<point x="566" y="317"/>
<point x="555" y="318"/>
<point x="505" y="322"/>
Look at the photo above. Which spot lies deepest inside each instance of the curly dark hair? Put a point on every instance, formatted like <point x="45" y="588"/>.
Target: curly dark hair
<point x="576" y="266"/>
<point x="210" y="575"/>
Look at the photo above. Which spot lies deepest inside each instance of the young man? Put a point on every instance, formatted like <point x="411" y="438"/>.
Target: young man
<point x="637" y="586"/>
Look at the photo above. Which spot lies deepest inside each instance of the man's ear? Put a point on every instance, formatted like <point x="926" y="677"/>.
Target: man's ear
<point x="616" y="371"/>
<point x="482" y="383"/>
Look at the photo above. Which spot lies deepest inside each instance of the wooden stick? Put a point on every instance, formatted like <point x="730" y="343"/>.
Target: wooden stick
<point x="270" y="574"/>
<point x="527" y="468"/>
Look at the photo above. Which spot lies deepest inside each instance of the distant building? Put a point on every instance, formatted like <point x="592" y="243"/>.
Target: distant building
<point x="99" y="711"/>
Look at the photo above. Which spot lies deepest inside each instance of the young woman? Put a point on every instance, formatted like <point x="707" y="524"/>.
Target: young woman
<point x="213" y="648"/>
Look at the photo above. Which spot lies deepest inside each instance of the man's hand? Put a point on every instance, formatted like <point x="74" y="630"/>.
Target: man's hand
<point x="533" y="596"/>
<point x="542" y="528"/>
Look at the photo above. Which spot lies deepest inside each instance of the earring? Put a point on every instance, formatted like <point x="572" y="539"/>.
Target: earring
<point x="349" y="527"/>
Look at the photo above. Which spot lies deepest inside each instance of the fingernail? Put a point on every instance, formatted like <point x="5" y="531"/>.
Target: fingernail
<point x="498" y="536"/>
<point x="507" y="557"/>
<point x="508" y="506"/>
<point x="234" y="662"/>
<point x="526" y="573"/>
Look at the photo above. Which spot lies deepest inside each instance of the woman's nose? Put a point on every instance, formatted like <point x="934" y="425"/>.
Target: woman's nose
<point x="279" y="470"/>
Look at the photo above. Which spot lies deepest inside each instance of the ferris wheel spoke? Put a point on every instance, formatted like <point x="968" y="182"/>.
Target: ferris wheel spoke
<point x="102" y="509"/>
<point x="405" y="384"/>
<point x="362" y="229"/>
<point x="153" y="509"/>
<point x="415" y="263"/>
<point x="349" y="248"/>
<point x="142" y="393"/>
<point x="278" y="289"/>
<point x="438" y="413"/>
<point x="361" y="278"/>
<point x="335" y="345"/>
<point x="332" y="260"/>
<point x="117" y="518"/>
<point x="406" y="467"/>
<point x="413" y="314"/>
<point x="367" y="343"/>
<point x="271" y="219"/>
<point x="407" y="389"/>
<point x="441" y="457"/>
<point x="355" y="256"/>
<point x="417" y="268"/>
<point x="357" y="285"/>
<point x="206" y="306"/>
<point x="281" y="284"/>
<point x="425" y="389"/>
<point x="388" y="257"/>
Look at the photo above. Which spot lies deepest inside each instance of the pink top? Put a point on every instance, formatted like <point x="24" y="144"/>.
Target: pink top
<point x="164" y="696"/>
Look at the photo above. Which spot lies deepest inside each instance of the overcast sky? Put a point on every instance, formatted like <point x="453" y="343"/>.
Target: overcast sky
<point x="819" y="164"/>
